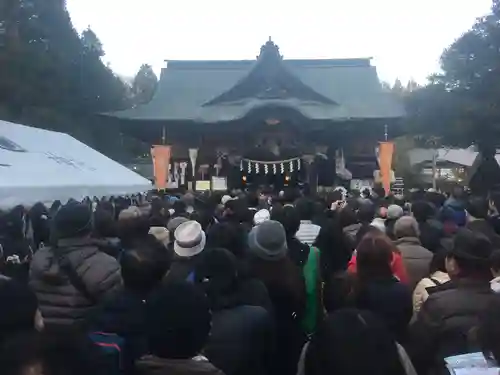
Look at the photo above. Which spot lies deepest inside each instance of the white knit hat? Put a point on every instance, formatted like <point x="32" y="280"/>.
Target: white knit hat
<point x="261" y="216"/>
<point x="226" y="198"/>
<point x="378" y="223"/>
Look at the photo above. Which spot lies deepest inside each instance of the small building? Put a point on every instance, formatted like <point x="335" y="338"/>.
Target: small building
<point x="451" y="165"/>
<point x="270" y="120"/>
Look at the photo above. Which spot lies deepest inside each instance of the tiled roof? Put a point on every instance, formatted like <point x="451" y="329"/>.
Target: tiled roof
<point x="185" y="87"/>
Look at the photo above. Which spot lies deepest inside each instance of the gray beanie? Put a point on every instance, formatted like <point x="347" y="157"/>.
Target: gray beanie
<point x="175" y="222"/>
<point x="268" y="241"/>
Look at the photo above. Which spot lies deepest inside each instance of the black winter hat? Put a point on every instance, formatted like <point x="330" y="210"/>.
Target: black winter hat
<point x="178" y="320"/>
<point x="73" y="220"/>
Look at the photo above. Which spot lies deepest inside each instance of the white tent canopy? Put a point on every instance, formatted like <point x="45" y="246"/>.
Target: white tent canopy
<point x="41" y="166"/>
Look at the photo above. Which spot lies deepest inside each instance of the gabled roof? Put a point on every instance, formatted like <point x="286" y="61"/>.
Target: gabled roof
<point x="216" y="91"/>
<point x="460" y="156"/>
<point x="269" y="79"/>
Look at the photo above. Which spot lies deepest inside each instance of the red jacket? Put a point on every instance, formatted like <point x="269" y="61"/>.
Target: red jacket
<point x="397" y="266"/>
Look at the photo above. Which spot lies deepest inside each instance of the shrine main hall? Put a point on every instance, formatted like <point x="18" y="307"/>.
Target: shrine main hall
<point x="268" y="121"/>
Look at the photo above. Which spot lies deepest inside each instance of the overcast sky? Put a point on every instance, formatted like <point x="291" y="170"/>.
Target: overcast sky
<point x="405" y="37"/>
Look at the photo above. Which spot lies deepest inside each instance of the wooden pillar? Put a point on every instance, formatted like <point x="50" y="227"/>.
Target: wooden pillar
<point x="311" y="173"/>
<point x="163" y="135"/>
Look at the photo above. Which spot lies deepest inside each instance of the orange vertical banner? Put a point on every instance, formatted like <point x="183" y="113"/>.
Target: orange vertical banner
<point x="386" y="150"/>
<point x="161" y="162"/>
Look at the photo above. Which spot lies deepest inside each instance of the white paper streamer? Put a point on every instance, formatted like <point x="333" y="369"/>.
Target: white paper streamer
<point x="183" y="172"/>
<point x="193" y="155"/>
<point x="217" y="168"/>
<point x="176" y="172"/>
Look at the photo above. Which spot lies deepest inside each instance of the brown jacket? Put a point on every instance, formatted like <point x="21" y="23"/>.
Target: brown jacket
<point x="151" y="365"/>
<point x="60" y="301"/>
<point x="416" y="259"/>
<point x="444" y="322"/>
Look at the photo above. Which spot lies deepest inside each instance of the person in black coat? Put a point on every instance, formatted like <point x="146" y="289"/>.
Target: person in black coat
<point x="15" y="250"/>
<point x="123" y="313"/>
<point x="242" y="329"/>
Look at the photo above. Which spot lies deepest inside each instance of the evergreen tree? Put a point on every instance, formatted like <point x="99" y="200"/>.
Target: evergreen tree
<point x="91" y="43"/>
<point x="51" y="76"/>
<point x="144" y="84"/>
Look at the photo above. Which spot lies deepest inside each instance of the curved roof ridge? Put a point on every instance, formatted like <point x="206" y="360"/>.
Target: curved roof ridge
<point x="225" y="64"/>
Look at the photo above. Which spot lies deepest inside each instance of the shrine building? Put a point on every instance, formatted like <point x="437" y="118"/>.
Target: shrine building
<point x="268" y="121"/>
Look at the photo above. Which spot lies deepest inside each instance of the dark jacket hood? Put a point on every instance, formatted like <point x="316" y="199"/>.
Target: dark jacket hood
<point x="454" y="203"/>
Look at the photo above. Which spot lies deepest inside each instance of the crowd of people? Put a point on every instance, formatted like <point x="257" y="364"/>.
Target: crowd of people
<point x="250" y="283"/>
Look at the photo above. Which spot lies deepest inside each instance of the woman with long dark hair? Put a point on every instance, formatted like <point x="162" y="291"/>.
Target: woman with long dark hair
<point x="286" y="286"/>
<point x="376" y="289"/>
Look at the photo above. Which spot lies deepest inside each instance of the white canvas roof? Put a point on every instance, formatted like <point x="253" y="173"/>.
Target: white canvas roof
<point x="40" y="165"/>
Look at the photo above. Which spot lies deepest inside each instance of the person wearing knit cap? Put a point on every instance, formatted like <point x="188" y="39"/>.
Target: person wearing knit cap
<point x="73" y="275"/>
<point x="174" y="223"/>
<point x="225" y="199"/>
<point x="286" y="286"/>
<point x="261" y="216"/>
<point x="394" y="212"/>
<point x="416" y="258"/>
<point x="379" y="224"/>
<point x="268" y="241"/>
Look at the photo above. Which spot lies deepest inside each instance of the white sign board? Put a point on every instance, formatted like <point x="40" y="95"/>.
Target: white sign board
<point x="202" y="185"/>
<point x="219" y="183"/>
<point x="359" y="185"/>
<point x="41" y="166"/>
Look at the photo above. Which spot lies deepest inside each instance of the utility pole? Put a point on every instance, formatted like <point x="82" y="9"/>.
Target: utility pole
<point x="434" y="168"/>
<point x="433" y="142"/>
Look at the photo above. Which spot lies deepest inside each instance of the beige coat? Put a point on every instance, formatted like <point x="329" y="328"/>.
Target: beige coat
<point x="420" y="293"/>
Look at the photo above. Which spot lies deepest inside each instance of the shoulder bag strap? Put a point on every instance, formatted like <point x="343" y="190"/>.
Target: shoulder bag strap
<point x="75" y="279"/>
<point x="435" y="281"/>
